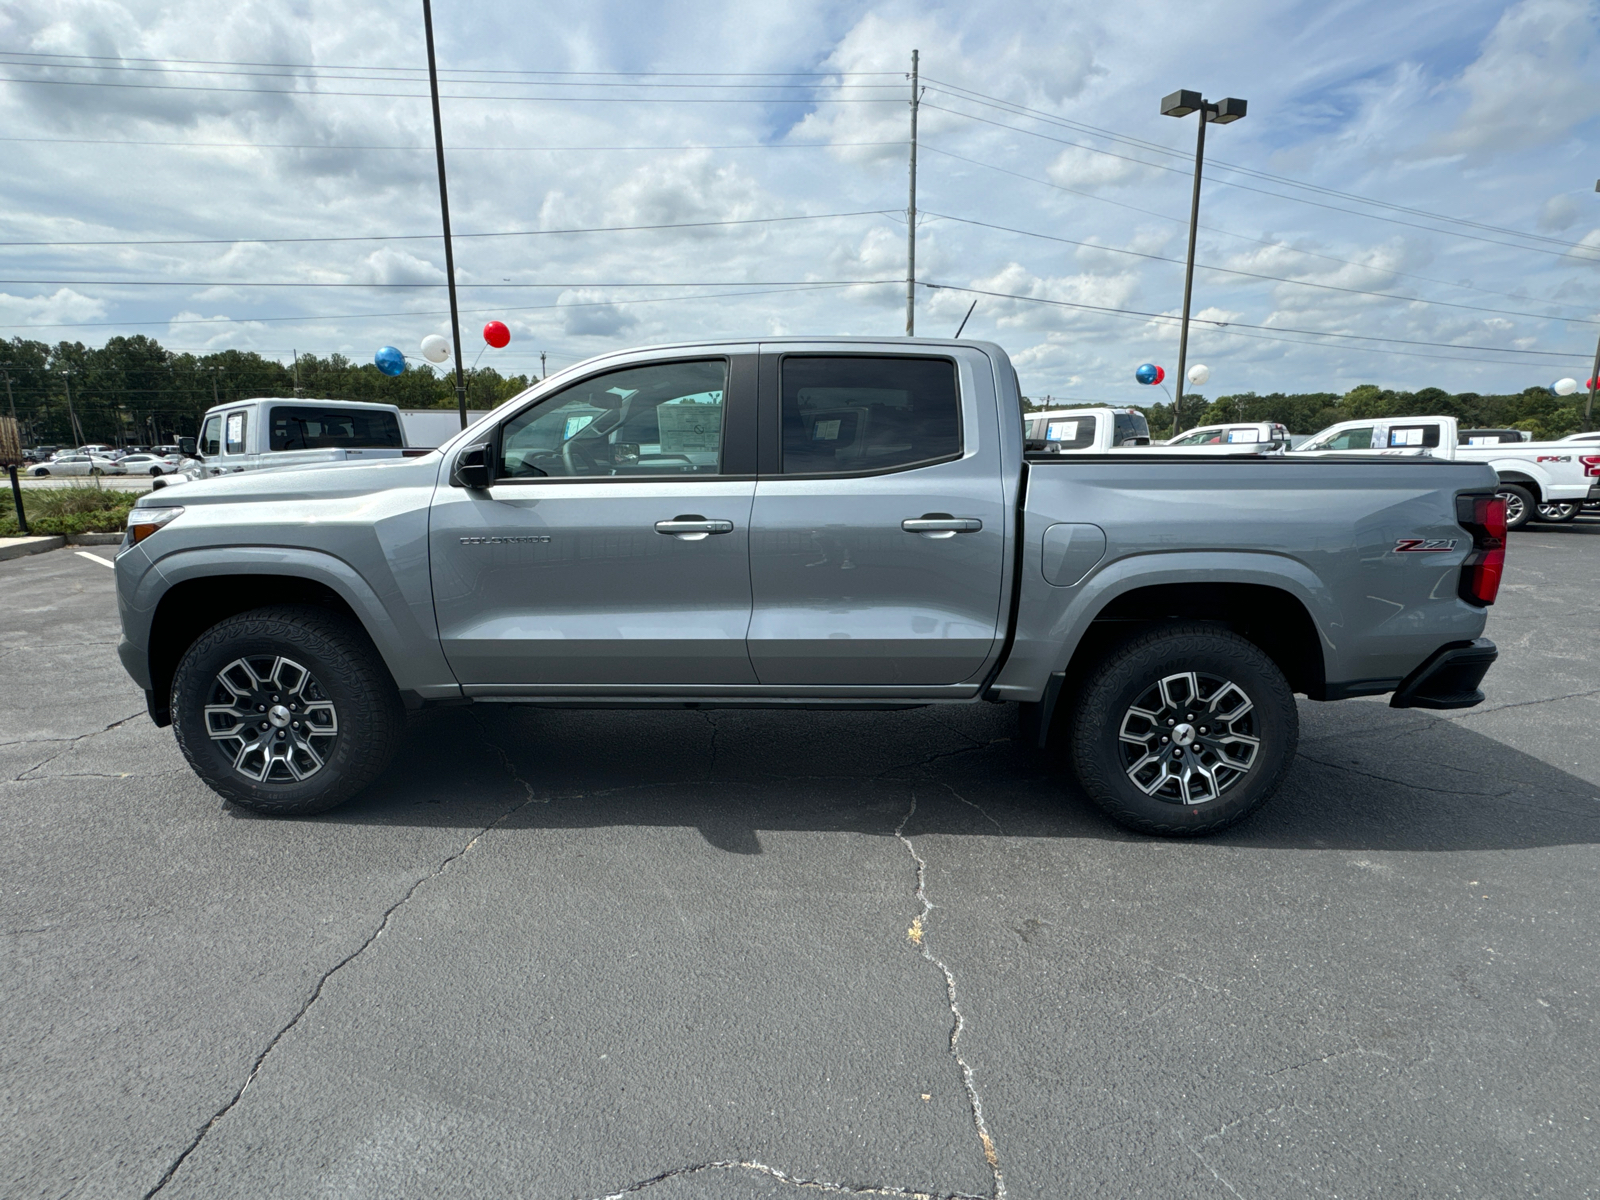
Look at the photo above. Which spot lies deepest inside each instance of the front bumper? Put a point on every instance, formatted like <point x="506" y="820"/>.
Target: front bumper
<point x="1449" y="678"/>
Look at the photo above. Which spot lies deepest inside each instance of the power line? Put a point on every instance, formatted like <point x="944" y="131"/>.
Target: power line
<point x="1233" y="325"/>
<point x="1246" y="187"/>
<point x="1252" y="172"/>
<point x="220" y="62"/>
<point x="239" y="283"/>
<point x="173" y="87"/>
<point x="436" y="312"/>
<point x="1258" y="275"/>
<point x="429" y="149"/>
<point x="1268" y="242"/>
<point x="415" y="237"/>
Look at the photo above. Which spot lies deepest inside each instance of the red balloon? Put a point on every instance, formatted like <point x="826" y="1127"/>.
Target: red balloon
<point x="1589" y="384"/>
<point x="497" y="335"/>
<point x="1161" y="373"/>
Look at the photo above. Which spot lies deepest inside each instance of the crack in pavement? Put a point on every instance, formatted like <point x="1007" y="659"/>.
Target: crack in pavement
<point x="761" y="1168"/>
<point x="1205" y="1164"/>
<point x="1421" y="787"/>
<point x="917" y="935"/>
<point x="1479" y="712"/>
<point x="322" y="981"/>
<point x="70" y="743"/>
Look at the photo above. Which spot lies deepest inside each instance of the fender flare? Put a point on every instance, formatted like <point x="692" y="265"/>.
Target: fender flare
<point x="413" y="667"/>
<point x="1262" y="568"/>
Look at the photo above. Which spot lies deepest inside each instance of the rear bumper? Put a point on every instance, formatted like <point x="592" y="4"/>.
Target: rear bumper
<point x="1449" y="678"/>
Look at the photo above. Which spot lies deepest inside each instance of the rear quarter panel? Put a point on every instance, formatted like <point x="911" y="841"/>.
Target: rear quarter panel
<point x="1322" y="529"/>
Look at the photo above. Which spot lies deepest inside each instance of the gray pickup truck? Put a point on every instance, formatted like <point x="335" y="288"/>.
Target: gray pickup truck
<point x="842" y="523"/>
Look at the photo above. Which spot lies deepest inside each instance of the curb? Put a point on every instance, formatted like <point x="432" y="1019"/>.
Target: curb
<point x="94" y="539"/>
<point x="18" y="547"/>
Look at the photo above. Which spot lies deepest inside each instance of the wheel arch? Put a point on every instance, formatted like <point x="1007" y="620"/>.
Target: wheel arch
<point x="1525" y="479"/>
<point x="1271" y="618"/>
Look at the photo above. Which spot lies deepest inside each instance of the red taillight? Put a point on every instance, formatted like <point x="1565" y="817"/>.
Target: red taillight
<point x="1485" y="518"/>
<point x="1591" y="465"/>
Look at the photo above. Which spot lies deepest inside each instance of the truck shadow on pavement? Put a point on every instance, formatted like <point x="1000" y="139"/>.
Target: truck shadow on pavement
<point x="1366" y="778"/>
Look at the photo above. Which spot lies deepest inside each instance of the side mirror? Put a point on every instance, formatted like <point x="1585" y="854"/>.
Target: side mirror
<point x="186" y="447"/>
<point x="472" y="469"/>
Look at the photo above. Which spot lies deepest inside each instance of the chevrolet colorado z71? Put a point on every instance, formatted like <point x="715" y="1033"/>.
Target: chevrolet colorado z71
<point x="846" y="523"/>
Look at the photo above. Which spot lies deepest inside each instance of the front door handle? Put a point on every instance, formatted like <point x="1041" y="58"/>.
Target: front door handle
<point x="940" y="525"/>
<point x="692" y="527"/>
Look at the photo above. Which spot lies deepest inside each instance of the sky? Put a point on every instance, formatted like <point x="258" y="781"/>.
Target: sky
<point x="1410" y="200"/>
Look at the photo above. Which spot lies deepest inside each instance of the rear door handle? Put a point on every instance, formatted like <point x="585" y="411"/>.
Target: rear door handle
<point x="940" y="525"/>
<point x="692" y="527"/>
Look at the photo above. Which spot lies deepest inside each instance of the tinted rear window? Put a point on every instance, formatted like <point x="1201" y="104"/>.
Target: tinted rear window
<point x="317" y="428"/>
<point x="1129" y="425"/>
<point x="861" y="413"/>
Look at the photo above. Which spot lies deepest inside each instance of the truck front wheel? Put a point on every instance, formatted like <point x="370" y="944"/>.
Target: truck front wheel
<point x="1183" y="730"/>
<point x="286" y="710"/>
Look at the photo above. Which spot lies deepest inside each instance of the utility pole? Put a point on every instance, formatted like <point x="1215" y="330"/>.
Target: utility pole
<point x="297" y="392"/>
<point x="541" y="366"/>
<point x="911" y="211"/>
<point x="72" y="415"/>
<point x="7" y="376"/>
<point x="214" y="399"/>
<point x="444" y="211"/>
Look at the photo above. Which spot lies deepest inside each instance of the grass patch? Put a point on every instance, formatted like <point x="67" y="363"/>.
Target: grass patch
<point x="69" y="510"/>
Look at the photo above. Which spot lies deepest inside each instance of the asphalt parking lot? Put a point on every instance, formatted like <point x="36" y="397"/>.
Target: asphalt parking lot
<point x="719" y="955"/>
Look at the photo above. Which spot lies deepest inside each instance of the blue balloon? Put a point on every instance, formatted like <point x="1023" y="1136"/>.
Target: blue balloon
<point x="390" y="361"/>
<point x="1148" y="373"/>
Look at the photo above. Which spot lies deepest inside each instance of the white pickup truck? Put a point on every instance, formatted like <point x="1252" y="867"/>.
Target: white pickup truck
<point x="250" y="435"/>
<point x="1241" y="433"/>
<point x="1084" y="430"/>
<point x="1550" y="481"/>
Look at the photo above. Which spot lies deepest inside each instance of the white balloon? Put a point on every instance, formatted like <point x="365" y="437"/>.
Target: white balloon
<point x="435" y="348"/>
<point x="1199" y="373"/>
<point x="1565" y="387"/>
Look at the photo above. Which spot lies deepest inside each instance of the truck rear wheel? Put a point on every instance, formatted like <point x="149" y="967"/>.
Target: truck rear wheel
<point x="1560" y="512"/>
<point x="286" y="710"/>
<point x="1520" y="504"/>
<point x="1183" y="731"/>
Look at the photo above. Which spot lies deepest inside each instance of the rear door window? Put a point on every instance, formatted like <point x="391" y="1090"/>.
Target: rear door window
<point x="844" y="414"/>
<point x="1413" y="435"/>
<point x="1069" y="433"/>
<point x="294" y="427"/>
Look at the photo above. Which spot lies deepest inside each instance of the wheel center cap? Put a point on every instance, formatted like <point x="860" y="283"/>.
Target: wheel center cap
<point x="278" y="715"/>
<point x="1183" y="735"/>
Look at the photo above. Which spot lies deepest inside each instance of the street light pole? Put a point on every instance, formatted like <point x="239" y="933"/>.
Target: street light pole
<point x="1223" y="112"/>
<point x="911" y="210"/>
<point x="1594" y="371"/>
<point x="444" y="210"/>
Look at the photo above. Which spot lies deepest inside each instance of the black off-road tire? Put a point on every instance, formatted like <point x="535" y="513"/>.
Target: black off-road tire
<point x="344" y="666"/>
<point x="1101" y="763"/>
<point x="1520" y="504"/>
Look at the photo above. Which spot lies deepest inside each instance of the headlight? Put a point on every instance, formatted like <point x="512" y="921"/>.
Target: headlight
<point x="142" y="522"/>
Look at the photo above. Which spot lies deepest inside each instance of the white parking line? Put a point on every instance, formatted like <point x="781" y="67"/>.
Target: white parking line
<point x="104" y="562"/>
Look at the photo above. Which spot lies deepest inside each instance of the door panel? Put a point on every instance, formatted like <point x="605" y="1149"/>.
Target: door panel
<point x="570" y="583"/>
<point x="845" y="594"/>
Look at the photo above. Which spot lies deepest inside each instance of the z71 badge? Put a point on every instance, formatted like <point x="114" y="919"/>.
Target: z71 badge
<point x="1424" y="545"/>
<point x="504" y="541"/>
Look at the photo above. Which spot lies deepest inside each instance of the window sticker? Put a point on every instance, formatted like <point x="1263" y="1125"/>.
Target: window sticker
<point x="1061" y="431"/>
<point x="826" y="431"/>
<point x="1236" y="436"/>
<point x="689" y="428"/>
<point x="574" y="424"/>
<point x="1405" y="437"/>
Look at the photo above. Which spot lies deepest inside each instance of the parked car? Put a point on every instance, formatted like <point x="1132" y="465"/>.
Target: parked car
<point x="78" y="464"/>
<point x="1537" y="479"/>
<point x="151" y="464"/>
<point x="39" y="454"/>
<point x="834" y="523"/>
<point x="1591" y="438"/>
<point x="1265" y="433"/>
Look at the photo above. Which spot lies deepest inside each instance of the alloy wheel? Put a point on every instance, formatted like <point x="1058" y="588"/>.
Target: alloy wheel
<point x="1189" y="737"/>
<point x="270" y="718"/>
